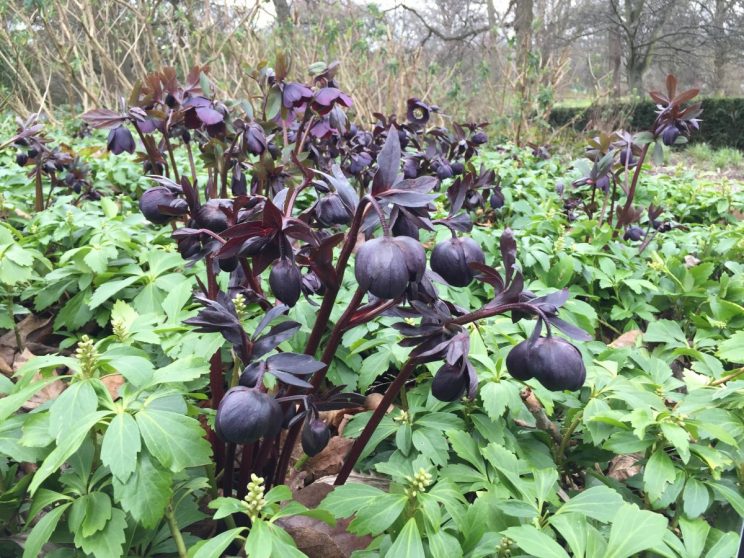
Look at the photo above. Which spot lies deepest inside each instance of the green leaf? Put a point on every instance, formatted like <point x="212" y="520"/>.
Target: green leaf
<point x="599" y="502"/>
<point x="466" y="448"/>
<point x="373" y="366"/>
<point x="89" y="514"/>
<point x="259" y="541"/>
<point x="444" y="545"/>
<point x="732" y="349"/>
<point x="226" y="506"/>
<point x="120" y="446"/>
<point x="378" y="514"/>
<point x="182" y="370"/>
<point x="177" y="298"/>
<point x="695" y="498"/>
<point x="42" y="531"/>
<point x="633" y="530"/>
<point x="545" y="480"/>
<point x="679" y="438"/>
<point x="11" y="403"/>
<point x="108" y="541"/>
<point x="665" y="331"/>
<point x="278" y="494"/>
<point x="659" y="472"/>
<point x="216" y="546"/>
<point x="108" y="290"/>
<point x="44" y="498"/>
<point x="146" y="492"/>
<point x="731" y="496"/>
<point x="535" y="542"/>
<point x="573" y="528"/>
<point x="69" y="445"/>
<point x="694" y="534"/>
<point x="177" y="441"/>
<point x="72" y="406"/>
<point x="408" y="542"/>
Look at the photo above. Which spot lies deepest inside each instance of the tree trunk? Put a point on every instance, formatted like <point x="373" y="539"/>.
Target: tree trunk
<point x="615" y="58"/>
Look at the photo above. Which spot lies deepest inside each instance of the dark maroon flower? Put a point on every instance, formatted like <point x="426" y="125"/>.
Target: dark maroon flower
<point x="359" y="162"/>
<point x="497" y="199"/>
<point x="479" y="138"/>
<point x="330" y="210"/>
<point x="285" y="281"/>
<point x="325" y="99"/>
<point x="634" y="233"/>
<point x="450" y="382"/>
<point x="210" y="215"/>
<point x="385" y="266"/>
<point x="315" y="436"/>
<point x="556" y="364"/>
<point x="159" y="205"/>
<point x="517" y="361"/>
<point x="670" y="134"/>
<point x="295" y="95"/>
<point x="199" y="112"/>
<point x="21" y="159"/>
<point x="451" y="260"/>
<point x="120" y="139"/>
<point x="245" y="415"/>
<point x="418" y="111"/>
<point x="254" y="139"/>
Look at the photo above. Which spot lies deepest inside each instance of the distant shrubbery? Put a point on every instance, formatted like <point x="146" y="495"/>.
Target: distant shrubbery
<point x="724" y="118"/>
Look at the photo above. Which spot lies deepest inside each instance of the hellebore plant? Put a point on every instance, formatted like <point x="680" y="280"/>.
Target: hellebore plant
<point x="617" y="159"/>
<point x="56" y="164"/>
<point x="292" y="190"/>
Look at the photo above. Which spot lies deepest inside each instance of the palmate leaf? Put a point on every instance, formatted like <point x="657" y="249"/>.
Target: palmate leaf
<point x="42" y="531"/>
<point x="634" y="530"/>
<point x="120" y="446"/>
<point x="408" y="542"/>
<point x="146" y="492"/>
<point x="535" y="543"/>
<point x="177" y="441"/>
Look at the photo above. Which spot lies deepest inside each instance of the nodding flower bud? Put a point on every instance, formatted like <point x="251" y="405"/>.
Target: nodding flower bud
<point x="246" y="415"/>
<point x="479" y="138"/>
<point x="497" y="199"/>
<point x="285" y="281"/>
<point x="634" y="233"/>
<point x="670" y="134"/>
<point x="450" y="382"/>
<point x="552" y="361"/>
<point x="228" y="264"/>
<point x="315" y="436"/>
<point x="21" y="159"/>
<point x="211" y="217"/>
<point x="120" y="139"/>
<point x="385" y="266"/>
<point x="153" y="199"/>
<point x="444" y="170"/>
<point x="451" y="260"/>
<point x="458" y="168"/>
<point x="171" y="101"/>
<point x="330" y="210"/>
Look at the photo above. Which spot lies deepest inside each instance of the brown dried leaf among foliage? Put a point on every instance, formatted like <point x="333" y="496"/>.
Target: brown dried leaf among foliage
<point x="622" y="467"/>
<point x="627" y="339"/>
<point x="315" y="538"/>
<point x="33" y="331"/>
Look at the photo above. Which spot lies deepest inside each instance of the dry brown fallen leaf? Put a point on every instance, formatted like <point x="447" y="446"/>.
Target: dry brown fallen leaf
<point x="623" y="467"/>
<point x="113" y="382"/>
<point x="627" y="339"/>
<point x="316" y="538"/>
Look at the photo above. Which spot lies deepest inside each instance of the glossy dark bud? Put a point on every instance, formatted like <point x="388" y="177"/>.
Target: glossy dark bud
<point x="384" y="266"/>
<point x="603" y="183"/>
<point x="479" y="138"/>
<point x="458" y="168"/>
<point x="171" y="101"/>
<point x="315" y="436"/>
<point x="444" y="171"/>
<point x="32" y="153"/>
<point x="496" y="200"/>
<point x="627" y="158"/>
<point x="556" y="364"/>
<point x="239" y="184"/>
<point x="410" y="168"/>
<point x="359" y="162"/>
<point x="152" y="199"/>
<point x="188" y="246"/>
<point x="285" y="281"/>
<point x="669" y="135"/>
<point x="250" y="375"/>
<point x="330" y="210"/>
<point x="21" y="159"/>
<point x="634" y="233"/>
<point x="120" y="139"/>
<point x="451" y="259"/>
<point x="449" y="383"/>
<point x="254" y="139"/>
<point x="312" y="285"/>
<point x="211" y="217"/>
<point x="517" y="361"/>
<point x="245" y="415"/>
<point x="50" y="167"/>
<point x="228" y="264"/>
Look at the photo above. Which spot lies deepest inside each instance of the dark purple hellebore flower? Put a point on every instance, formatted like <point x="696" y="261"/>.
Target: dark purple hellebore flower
<point x="418" y="111"/>
<point x="295" y="95"/>
<point x="326" y="98"/>
<point x="120" y="139"/>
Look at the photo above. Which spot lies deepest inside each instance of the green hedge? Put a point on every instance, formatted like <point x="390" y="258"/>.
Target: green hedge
<point x="722" y="119"/>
